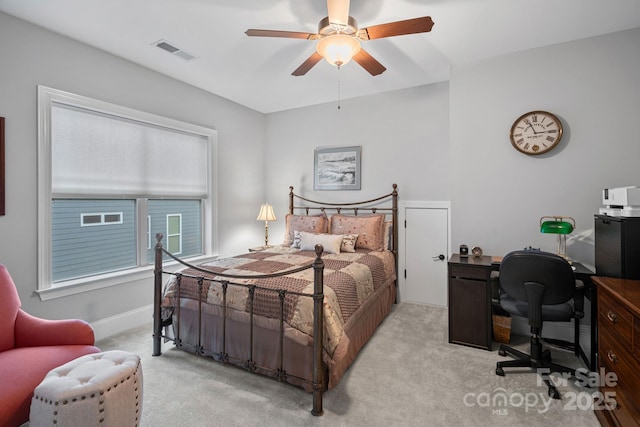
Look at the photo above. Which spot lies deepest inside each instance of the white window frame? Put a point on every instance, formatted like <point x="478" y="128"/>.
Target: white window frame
<point x="46" y="288"/>
<point x="149" y="232"/>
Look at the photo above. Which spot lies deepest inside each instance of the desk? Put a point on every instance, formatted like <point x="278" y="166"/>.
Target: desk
<point x="470" y="302"/>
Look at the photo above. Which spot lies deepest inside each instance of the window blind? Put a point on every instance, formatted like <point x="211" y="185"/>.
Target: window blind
<point x="98" y="154"/>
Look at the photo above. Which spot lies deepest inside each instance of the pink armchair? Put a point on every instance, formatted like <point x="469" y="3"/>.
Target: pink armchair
<point x="29" y="348"/>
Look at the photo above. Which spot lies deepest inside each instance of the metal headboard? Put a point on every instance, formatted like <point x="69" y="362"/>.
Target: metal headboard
<point x="377" y="205"/>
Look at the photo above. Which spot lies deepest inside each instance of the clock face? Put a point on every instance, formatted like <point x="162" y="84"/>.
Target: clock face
<point x="536" y="132"/>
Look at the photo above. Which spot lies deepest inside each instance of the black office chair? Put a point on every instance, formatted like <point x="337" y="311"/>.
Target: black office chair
<point x="540" y="286"/>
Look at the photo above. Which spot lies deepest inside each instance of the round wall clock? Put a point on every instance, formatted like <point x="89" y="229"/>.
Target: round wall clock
<point x="536" y="132"/>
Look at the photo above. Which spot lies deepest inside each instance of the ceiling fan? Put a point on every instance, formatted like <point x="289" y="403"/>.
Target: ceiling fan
<point x="339" y="38"/>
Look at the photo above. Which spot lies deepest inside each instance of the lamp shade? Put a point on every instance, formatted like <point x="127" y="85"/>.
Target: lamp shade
<point x="557" y="225"/>
<point x="266" y="213"/>
<point x="338" y="49"/>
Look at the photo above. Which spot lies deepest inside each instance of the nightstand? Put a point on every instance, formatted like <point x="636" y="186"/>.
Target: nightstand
<point x="259" y="248"/>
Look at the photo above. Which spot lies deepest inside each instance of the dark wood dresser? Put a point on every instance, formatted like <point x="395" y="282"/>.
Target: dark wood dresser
<point x="619" y="348"/>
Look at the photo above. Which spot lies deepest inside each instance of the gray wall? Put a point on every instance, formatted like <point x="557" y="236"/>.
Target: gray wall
<point x="404" y="137"/>
<point x="33" y="56"/>
<point x="498" y="194"/>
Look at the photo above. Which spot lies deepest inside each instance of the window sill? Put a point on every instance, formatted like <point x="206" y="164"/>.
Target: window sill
<point x="87" y="284"/>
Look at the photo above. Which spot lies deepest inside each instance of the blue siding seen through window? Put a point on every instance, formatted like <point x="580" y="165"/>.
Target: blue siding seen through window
<point x="190" y="237"/>
<point x="79" y="251"/>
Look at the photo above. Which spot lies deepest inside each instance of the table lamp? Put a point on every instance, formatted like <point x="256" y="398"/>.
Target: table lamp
<point x="560" y="225"/>
<point x="266" y="214"/>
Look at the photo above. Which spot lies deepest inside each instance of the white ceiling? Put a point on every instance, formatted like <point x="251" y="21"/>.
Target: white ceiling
<point x="256" y="72"/>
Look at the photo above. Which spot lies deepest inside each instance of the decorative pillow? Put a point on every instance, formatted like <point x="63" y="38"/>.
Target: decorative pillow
<point x="348" y="243"/>
<point x="309" y="223"/>
<point x="330" y="242"/>
<point x="388" y="228"/>
<point x="369" y="228"/>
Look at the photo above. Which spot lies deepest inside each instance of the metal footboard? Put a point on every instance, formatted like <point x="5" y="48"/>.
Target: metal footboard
<point x="317" y="383"/>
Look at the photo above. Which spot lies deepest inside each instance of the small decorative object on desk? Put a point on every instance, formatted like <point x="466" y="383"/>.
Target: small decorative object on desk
<point x="476" y="251"/>
<point x="464" y="251"/>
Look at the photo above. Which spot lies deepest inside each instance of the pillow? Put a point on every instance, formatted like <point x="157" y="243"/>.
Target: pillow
<point x="388" y="228"/>
<point x="369" y="228"/>
<point x="309" y="223"/>
<point x="348" y="243"/>
<point x="330" y="242"/>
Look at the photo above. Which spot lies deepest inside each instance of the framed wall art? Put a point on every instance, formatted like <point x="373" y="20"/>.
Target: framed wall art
<point x="2" y="183"/>
<point x="337" y="168"/>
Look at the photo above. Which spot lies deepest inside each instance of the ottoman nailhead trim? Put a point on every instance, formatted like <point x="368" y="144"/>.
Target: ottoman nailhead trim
<point x="100" y="394"/>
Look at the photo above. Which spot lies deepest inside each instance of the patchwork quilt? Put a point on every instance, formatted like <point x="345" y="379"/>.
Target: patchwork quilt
<point x="349" y="279"/>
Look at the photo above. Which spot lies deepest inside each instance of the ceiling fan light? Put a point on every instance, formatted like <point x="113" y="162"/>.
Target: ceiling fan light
<point x="338" y="49"/>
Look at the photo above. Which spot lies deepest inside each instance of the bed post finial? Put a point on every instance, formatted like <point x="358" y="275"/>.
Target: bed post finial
<point x="291" y="199"/>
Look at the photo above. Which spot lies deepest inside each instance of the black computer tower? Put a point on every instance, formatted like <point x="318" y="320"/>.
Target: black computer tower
<point x="617" y="246"/>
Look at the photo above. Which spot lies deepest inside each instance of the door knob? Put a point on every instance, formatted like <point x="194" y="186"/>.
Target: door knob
<point x="439" y="257"/>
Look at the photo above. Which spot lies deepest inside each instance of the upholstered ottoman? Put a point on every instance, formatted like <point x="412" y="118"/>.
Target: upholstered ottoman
<point x="101" y="390"/>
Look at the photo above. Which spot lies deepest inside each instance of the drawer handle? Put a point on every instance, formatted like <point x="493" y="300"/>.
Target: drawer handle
<point x="612" y="356"/>
<point x="612" y="316"/>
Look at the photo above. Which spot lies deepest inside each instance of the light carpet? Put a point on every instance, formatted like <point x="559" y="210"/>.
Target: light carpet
<point x="407" y="375"/>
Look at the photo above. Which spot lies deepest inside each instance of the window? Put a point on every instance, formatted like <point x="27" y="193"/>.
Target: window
<point x="174" y="234"/>
<point x="110" y="178"/>
<point x="88" y="219"/>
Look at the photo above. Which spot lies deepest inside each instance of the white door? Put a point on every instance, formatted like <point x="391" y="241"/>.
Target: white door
<point x="426" y="250"/>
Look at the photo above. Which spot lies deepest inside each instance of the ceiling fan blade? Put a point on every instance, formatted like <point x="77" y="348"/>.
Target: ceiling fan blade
<point x="398" y="28"/>
<point x="277" y="33"/>
<point x="338" y="11"/>
<point x="369" y="63"/>
<point x="307" y="65"/>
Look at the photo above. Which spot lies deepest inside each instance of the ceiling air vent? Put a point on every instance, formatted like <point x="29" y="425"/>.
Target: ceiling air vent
<point x="174" y="50"/>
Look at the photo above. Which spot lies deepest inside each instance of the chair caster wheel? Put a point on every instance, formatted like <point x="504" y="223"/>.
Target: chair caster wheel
<point x="500" y="371"/>
<point x="501" y="352"/>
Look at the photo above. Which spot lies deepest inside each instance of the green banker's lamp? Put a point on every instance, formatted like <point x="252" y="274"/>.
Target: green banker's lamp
<point x="560" y="225"/>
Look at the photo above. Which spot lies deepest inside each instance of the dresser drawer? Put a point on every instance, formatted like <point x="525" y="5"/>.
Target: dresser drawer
<point x="614" y="318"/>
<point x="615" y="358"/>
<point x="624" y="414"/>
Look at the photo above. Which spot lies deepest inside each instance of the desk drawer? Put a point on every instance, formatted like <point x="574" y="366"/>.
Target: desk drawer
<point x="614" y="318"/>
<point x="469" y="272"/>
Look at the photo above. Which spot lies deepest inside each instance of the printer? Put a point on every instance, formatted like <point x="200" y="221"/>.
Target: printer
<point x="621" y="201"/>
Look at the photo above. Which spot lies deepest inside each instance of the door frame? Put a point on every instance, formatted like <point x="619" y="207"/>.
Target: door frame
<point x="402" y="207"/>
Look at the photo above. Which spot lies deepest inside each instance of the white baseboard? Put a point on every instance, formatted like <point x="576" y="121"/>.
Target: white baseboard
<point x="113" y="325"/>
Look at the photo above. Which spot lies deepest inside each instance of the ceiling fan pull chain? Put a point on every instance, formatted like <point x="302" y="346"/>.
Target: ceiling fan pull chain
<point x="338" y="88"/>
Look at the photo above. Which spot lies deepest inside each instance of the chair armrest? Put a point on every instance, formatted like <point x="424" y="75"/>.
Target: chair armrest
<point x="31" y="331"/>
